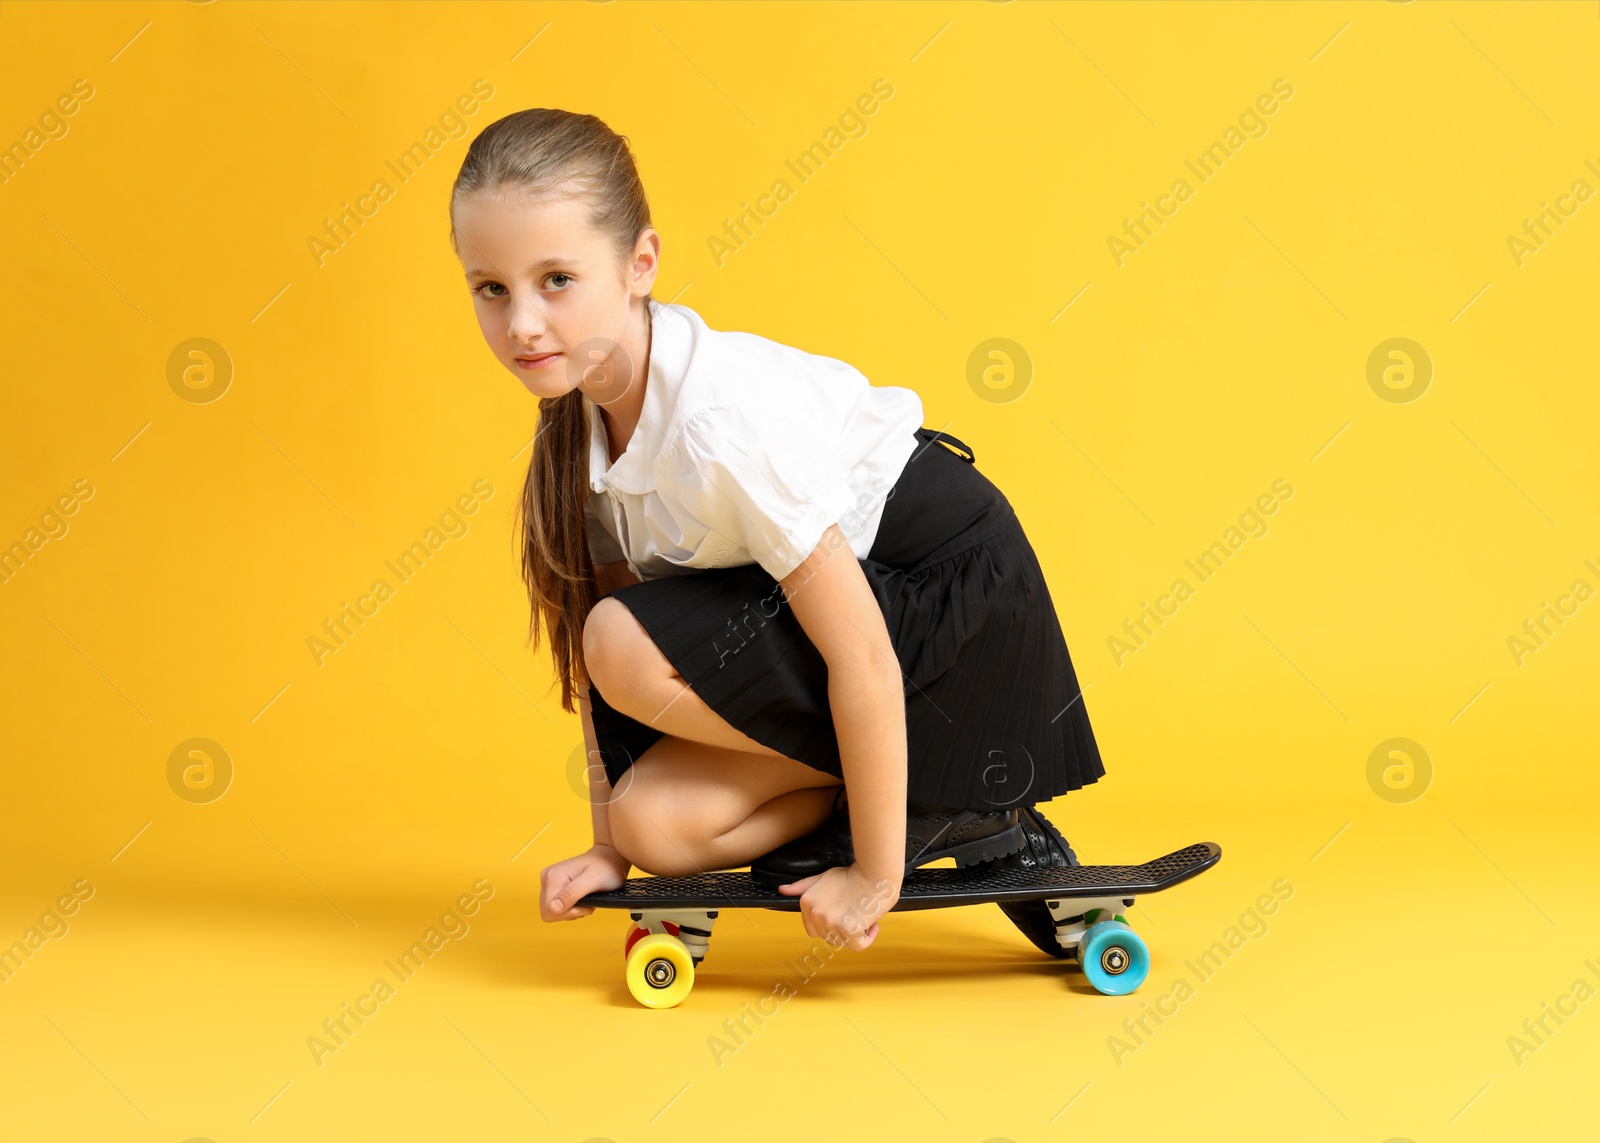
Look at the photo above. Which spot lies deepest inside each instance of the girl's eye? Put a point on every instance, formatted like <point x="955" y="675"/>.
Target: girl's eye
<point x="559" y="274"/>
<point x="479" y="289"/>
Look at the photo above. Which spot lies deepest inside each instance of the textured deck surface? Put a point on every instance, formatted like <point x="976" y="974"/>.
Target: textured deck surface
<point x="924" y="888"/>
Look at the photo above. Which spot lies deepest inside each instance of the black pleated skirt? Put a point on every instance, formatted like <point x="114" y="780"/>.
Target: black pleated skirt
<point x="994" y="713"/>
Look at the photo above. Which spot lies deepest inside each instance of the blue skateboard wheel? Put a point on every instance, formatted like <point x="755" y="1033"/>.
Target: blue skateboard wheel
<point x="1114" y="958"/>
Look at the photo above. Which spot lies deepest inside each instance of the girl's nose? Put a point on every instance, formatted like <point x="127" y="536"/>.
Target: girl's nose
<point x="527" y="318"/>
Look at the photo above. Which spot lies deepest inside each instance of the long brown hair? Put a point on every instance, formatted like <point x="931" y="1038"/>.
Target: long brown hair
<point x="549" y="152"/>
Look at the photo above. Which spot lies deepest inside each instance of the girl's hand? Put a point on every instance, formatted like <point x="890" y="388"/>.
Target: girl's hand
<point x="843" y="904"/>
<point x="563" y="883"/>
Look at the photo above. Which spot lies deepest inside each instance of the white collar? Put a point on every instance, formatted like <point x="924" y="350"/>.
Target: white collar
<point x="634" y="471"/>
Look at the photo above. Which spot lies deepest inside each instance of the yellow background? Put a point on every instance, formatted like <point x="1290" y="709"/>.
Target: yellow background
<point x="1174" y="389"/>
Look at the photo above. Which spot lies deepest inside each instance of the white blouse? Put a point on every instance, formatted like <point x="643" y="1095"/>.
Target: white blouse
<point x="746" y="451"/>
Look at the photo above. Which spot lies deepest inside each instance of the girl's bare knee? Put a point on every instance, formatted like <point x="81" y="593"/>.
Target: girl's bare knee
<point x="597" y="640"/>
<point x="612" y="641"/>
<point x="639" y="829"/>
<point x="644" y="843"/>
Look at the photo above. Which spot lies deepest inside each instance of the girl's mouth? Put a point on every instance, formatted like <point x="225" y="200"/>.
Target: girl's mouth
<point x="536" y="361"/>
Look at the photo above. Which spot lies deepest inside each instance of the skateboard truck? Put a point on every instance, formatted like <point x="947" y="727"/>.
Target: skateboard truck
<point x="691" y="926"/>
<point x="1096" y="934"/>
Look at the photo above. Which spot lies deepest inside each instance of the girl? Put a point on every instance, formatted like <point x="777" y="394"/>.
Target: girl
<point x="803" y="632"/>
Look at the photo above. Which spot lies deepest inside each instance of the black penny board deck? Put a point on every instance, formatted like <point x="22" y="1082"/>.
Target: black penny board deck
<point x="924" y="888"/>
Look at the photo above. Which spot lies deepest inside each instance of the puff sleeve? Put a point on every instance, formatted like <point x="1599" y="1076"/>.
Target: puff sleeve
<point x="762" y="477"/>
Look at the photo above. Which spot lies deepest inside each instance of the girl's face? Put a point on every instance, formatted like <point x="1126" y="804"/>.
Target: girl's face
<point x="553" y="304"/>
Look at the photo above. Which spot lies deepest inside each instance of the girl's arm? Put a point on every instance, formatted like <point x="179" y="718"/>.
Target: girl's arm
<point x="601" y="866"/>
<point x="610" y="577"/>
<point x="598" y="783"/>
<point x="836" y="608"/>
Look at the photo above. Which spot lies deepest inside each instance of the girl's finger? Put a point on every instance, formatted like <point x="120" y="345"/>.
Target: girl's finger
<point x="565" y="902"/>
<point x="795" y="888"/>
<point x="584" y="881"/>
<point x="562" y="895"/>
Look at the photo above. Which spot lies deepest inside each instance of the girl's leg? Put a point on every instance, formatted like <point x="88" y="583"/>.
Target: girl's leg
<point x="638" y="680"/>
<point x="687" y="807"/>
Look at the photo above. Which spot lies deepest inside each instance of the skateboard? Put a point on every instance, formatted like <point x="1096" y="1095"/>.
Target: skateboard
<point x="673" y="916"/>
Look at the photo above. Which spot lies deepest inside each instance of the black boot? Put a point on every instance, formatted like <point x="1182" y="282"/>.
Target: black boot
<point x="932" y="832"/>
<point x="1045" y="848"/>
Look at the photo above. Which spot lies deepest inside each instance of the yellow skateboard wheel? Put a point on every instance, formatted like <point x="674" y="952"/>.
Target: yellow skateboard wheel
<point x="660" y="971"/>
